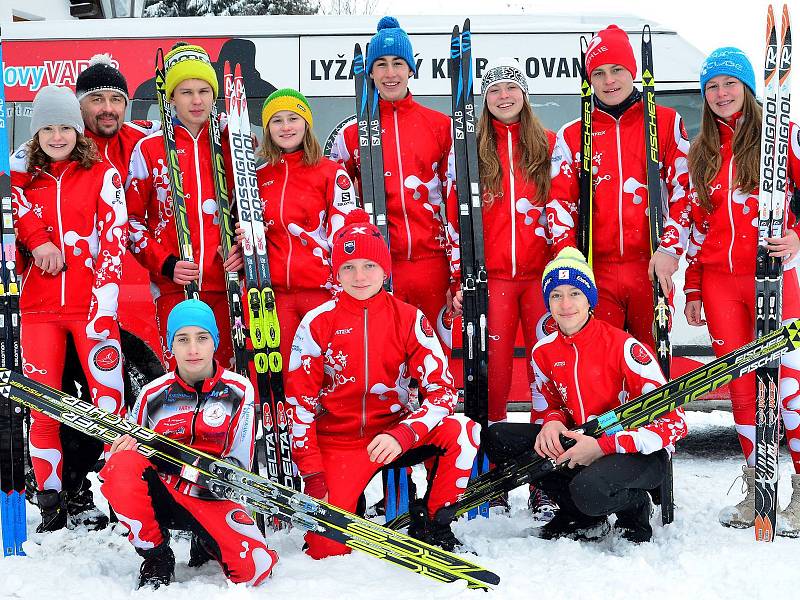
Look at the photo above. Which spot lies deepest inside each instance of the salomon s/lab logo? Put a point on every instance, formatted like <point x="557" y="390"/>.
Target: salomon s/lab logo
<point x="640" y="355"/>
<point x="349" y="247"/>
<point x="107" y="359"/>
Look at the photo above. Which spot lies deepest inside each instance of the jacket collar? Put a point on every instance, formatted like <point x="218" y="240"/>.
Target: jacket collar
<point x="583" y="336"/>
<point x="204" y="386"/>
<point x="378" y="302"/>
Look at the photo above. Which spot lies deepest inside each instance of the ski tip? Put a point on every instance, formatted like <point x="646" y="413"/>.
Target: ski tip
<point x="646" y="32"/>
<point x="785" y="21"/>
<point x="770" y="20"/>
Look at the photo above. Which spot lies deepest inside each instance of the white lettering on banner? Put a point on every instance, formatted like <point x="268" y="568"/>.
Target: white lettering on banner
<point x="52" y="72"/>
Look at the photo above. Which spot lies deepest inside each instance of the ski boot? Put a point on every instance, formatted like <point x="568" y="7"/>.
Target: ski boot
<point x="633" y="524"/>
<point x="158" y="566"/>
<point x="82" y="510"/>
<point x="198" y="553"/>
<point x="574" y="526"/>
<point x="542" y="508"/>
<point x="434" y="531"/>
<point x="743" y="514"/>
<point x="789" y="518"/>
<point x="52" y="505"/>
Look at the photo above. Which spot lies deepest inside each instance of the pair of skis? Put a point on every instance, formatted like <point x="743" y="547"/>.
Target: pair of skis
<point x="772" y="200"/>
<point x="272" y="409"/>
<point x="373" y="199"/>
<point x="228" y="481"/>
<point x="638" y="412"/>
<point x="474" y="279"/>
<point x="12" y="421"/>
<point x="661" y="309"/>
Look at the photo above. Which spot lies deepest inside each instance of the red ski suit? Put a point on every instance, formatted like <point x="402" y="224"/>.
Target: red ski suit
<point x="303" y="207"/>
<point x="217" y="417"/>
<point x="721" y="273"/>
<point x="82" y="212"/>
<point x="345" y="392"/>
<point x="154" y="239"/>
<point x="620" y="222"/>
<point x="586" y="374"/>
<point x="517" y="248"/>
<point x="118" y="148"/>
<point x="416" y="152"/>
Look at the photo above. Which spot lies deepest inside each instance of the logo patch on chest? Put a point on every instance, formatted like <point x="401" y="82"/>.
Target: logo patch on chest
<point x="214" y="414"/>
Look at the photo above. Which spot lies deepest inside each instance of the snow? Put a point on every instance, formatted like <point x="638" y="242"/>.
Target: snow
<point x="693" y="557"/>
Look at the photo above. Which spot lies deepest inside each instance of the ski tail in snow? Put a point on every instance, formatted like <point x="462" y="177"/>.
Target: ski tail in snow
<point x="772" y="200"/>
<point x="12" y="419"/>
<point x="261" y="495"/>
<point x="637" y="412"/>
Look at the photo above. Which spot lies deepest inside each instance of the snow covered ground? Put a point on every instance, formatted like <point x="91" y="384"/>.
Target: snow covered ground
<point x="694" y="557"/>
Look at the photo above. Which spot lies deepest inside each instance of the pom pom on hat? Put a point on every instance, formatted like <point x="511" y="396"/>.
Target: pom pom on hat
<point x="610" y="46"/>
<point x="101" y="76"/>
<point x="569" y="268"/>
<point x="390" y="40"/>
<point x="359" y="238"/>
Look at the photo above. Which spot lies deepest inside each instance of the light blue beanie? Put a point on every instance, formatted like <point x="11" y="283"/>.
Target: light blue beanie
<point x="192" y="312"/>
<point x="728" y="61"/>
<point x="390" y="40"/>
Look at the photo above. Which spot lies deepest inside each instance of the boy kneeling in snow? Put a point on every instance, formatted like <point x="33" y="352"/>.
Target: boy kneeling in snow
<point x="351" y="364"/>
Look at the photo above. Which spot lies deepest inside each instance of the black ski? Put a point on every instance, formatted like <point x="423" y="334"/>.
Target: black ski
<point x="175" y="177"/>
<point x="586" y="198"/>
<point x="228" y="481"/>
<point x="12" y="420"/>
<point x="656" y="207"/>
<point x="769" y="270"/>
<point x="640" y="411"/>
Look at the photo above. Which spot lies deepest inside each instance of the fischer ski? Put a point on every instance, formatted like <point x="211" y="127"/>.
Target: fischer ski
<point x="12" y="419"/>
<point x="192" y="289"/>
<point x="586" y="198"/>
<point x="656" y="205"/>
<point x="772" y="200"/>
<point x="473" y="263"/>
<point x="271" y="407"/>
<point x="228" y="481"/>
<point x="640" y="411"/>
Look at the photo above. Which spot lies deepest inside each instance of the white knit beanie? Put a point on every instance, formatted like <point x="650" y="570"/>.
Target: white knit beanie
<point x="56" y="105"/>
<point x="503" y="70"/>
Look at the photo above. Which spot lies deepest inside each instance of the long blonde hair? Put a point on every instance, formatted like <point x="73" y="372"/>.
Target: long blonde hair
<point x="534" y="156"/>
<point x="705" y="159"/>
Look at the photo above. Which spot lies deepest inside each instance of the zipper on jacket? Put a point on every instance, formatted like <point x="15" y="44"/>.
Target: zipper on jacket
<point x="619" y="165"/>
<point x="402" y="178"/>
<point x="577" y="384"/>
<point x="286" y="229"/>
<point x="61" y="239"/>
<point x="513" y="202"/>
<point x="200" y="261"/>
<point x="194" y="416"/>
<point x="366" y="372"/>
<point x="730" y="213"/>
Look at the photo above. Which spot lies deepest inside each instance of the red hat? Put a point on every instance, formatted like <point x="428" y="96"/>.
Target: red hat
<point x="359" y="238"/>
<point x="610" y="46"/>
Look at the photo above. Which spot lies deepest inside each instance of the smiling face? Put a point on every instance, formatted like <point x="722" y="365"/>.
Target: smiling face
<point x="724" y="95"/>
<point x="286" y="130"/>
<point x="612" y="84"/>
<point x="103" y="112"/>
<point x="505" y="101"/>
<point x="569" y="307"/>
<point x="57" y="141"/>
<point x="192" y="99"/>
<point x="193" y="348"/>
<point x="361" y="278"/>
<point x="391" y="74"/>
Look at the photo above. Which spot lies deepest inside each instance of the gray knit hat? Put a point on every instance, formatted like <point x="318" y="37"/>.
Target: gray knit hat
<point x="502" y="70"/>
<point x="56" y="105"/>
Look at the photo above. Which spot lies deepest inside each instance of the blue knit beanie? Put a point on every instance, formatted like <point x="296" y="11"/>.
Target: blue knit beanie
<point x="390" y="40"/>
<point x="728" y="61"/>
<point x="192" y="312"/>
<point x="569" y="268"/>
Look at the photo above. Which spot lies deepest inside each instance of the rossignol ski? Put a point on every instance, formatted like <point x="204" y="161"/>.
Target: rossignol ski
<point x="373" y="199"/>
<point x="656" y="206"/>
<point x="271" y="406"/>
<point x="228" y="481"/>
<point x="638" y="412"/>
<point x="175" y="178"/>
<point x="769" y="270"/>
<point x="12" y="421"/>
<point x="474" y="286"/>
<point x="585" y="175"/>
<point x="227" y="240"/>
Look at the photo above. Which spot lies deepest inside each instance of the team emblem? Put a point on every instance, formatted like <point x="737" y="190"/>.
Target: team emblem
<point x="107" y="359"/>
<point x="425" y="325"/>
<point x="640" y="355"/>
<point x="349" y="246"/>
<point x="241" y="517"/>
<point x="214" y="414"/>
<point x="343" y="181"/>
